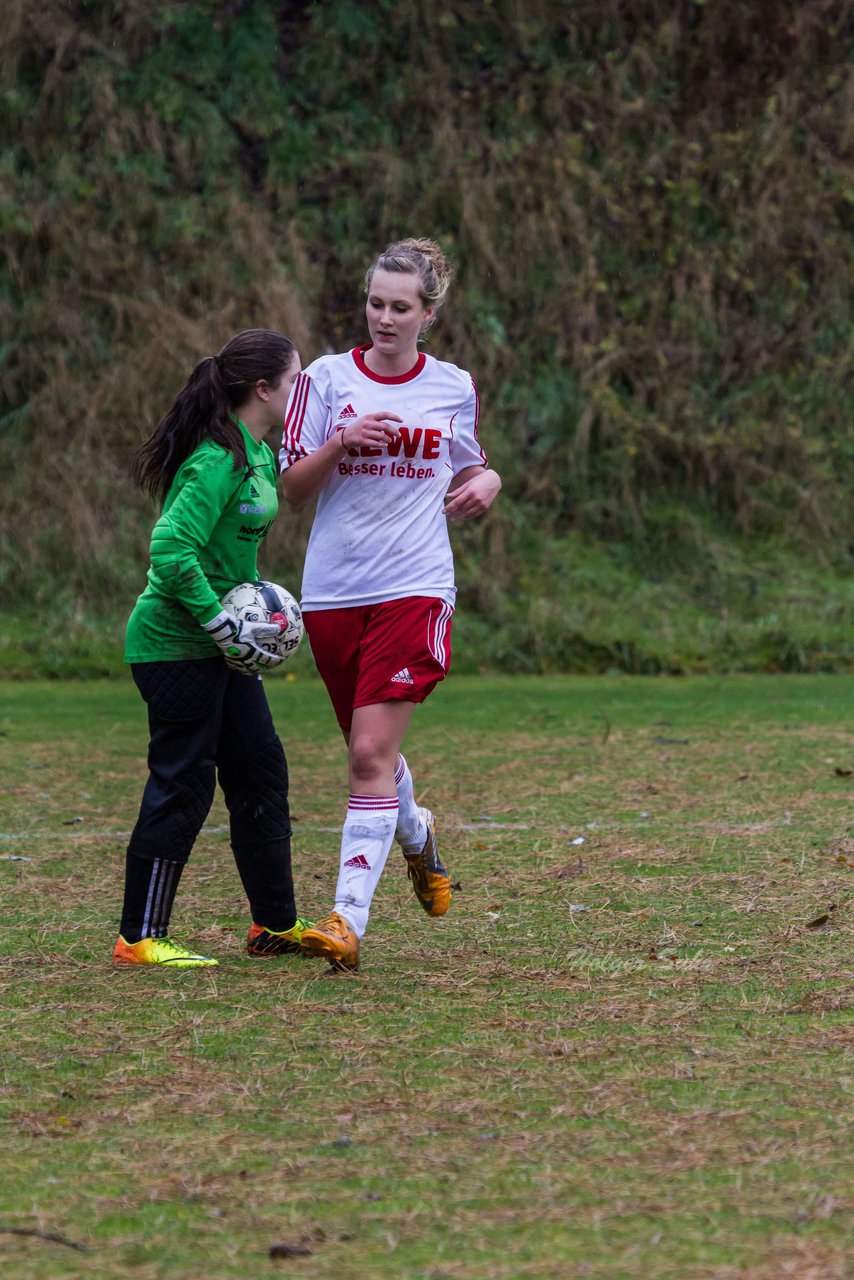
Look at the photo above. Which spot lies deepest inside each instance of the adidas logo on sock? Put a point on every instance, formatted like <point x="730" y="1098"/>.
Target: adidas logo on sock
<point x="403" y="677"/>
<point x="359" y="861"/>
<point x="347" y="412"/>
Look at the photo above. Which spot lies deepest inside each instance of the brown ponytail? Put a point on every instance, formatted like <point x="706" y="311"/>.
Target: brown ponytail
<point x="205" y="407"/>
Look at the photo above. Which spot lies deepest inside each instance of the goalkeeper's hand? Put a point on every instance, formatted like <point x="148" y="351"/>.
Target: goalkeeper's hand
<point x="238" y="642"/>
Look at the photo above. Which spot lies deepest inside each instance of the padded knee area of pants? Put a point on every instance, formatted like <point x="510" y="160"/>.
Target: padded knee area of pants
<point x="196" y="797"/>
<point x="171" y="816"/>
<point x="257" y="795"/>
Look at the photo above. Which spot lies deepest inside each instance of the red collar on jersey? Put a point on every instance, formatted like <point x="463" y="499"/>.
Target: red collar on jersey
<point x="358" y="354"/>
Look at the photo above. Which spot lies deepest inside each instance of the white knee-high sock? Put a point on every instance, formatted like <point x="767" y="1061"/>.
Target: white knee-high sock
<point x="411" y="827"/>
<point x="365" y="841"/>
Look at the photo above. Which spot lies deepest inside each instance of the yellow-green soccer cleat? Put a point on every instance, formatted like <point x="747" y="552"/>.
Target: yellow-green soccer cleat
<point x="430" y="880"/>
<point x="159" y="951"/>
<point x="334" y="940"/>
<point x="264" y="942"/>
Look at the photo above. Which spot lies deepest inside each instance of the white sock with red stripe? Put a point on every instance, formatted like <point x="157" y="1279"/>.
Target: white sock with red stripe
<point x="411" y="826"/>
<point x="365" y="841"/>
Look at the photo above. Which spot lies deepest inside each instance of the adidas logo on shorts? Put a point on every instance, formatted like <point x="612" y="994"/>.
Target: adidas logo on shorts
<point x="402" y="677"/>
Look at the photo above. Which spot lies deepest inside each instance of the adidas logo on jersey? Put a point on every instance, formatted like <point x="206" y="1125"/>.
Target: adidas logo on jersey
<point x="403" y="677"/>
<point x="360" y="861"/>
<point x="347" y="412"/>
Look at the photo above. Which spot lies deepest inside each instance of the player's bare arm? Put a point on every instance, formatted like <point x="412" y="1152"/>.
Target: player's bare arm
<point x="304" y="479"/>
<point x="472" y="492"/>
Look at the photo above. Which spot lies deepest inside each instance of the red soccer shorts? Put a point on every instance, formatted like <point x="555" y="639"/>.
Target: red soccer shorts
<point x="399" y="649"/>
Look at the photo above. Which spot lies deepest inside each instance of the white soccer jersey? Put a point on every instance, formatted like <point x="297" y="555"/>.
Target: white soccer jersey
<point x="379" y="532"/>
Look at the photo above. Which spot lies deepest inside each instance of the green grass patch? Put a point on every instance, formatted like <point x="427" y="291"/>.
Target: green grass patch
<point x="624" y="1053"/>
<point x="717" y="605"/>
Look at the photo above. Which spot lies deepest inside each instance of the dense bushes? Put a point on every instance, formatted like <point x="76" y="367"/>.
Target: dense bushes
<point x="649" y="203"/>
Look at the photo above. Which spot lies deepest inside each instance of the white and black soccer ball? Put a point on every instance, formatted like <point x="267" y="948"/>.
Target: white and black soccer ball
<point x="268" y="602"/>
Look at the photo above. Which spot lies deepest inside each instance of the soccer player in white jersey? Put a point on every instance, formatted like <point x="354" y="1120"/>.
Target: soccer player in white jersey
<point x="386" y="437"/>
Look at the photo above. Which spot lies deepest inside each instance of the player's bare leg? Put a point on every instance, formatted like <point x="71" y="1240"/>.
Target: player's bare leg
<point x="369" y="826"/>
<point x="374" y="743"/>
<point x="378" y="732"/>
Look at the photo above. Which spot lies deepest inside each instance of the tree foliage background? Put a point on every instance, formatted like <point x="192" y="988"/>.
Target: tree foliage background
<point x="650" y="203"/>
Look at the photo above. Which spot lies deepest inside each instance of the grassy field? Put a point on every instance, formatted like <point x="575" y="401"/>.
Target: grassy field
<point x="624" y="1054"/>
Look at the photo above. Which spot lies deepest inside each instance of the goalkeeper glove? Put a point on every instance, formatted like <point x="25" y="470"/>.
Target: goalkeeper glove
<point x="238" y="642"/>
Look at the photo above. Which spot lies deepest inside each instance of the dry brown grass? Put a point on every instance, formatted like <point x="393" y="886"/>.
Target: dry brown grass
<point x="657" y="1085"/>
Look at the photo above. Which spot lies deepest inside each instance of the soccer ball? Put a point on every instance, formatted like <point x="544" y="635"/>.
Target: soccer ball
<point x="267" y="602"/>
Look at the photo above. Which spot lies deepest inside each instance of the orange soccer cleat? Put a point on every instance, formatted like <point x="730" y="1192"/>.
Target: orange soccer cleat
<point x="159" y="951"/>
<point x="334" y="940"/>
<point x="264" y="942"/>
<point x="430" y="880"/>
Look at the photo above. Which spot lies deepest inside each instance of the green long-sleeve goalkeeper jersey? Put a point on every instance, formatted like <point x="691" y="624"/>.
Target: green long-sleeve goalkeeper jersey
<point x="205" y="542"/>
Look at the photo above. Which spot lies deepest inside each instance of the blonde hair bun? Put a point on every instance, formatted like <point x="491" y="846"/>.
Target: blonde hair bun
<point x="420" y="257"/>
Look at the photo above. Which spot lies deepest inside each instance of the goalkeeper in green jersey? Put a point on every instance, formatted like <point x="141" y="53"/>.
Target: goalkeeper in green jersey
<point x="196" y="666"/>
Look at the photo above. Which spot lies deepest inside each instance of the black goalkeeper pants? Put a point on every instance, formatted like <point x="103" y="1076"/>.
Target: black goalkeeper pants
<point x="207" y="722"/>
